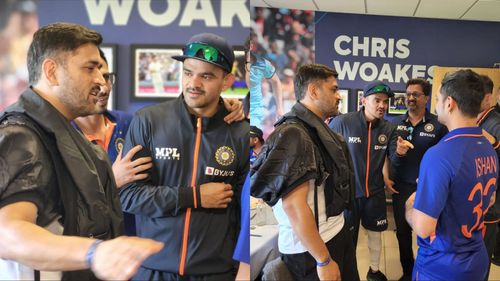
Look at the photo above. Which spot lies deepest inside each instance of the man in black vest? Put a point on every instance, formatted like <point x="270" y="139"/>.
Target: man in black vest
<point x="305" y="172"/>
<point x="49" y="173"/>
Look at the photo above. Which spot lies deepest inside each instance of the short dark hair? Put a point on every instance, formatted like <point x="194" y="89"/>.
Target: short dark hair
<point x="488" y="84"/>
<point x="103" y="56"/>
<point x="311" y="73"/>
<point x="52" y="39"/>
<point x="426" y="86"/>
<point x="467" y="88"/>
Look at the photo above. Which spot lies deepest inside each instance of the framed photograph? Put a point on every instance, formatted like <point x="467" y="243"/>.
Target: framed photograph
<point x="397" y="104"/>
<point x="239" y="89"/>
<point x="344" y="103"/>
<point x="110" y="52"/>
<point x="359" y="95"/>
<point x="155" y="74"/>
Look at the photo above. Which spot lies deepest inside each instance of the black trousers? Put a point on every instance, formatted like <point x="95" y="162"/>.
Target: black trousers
<point x="303" y="266"/>
<point x="403" y="229"/>
<point x="146" y="274"/>
<point x="490" y="240"/>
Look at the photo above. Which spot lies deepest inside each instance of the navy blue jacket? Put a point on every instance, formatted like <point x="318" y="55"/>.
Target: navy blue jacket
<point x="367" y="143"/>
<point x="187" y="151"/>
<point x="490" y="122"/>
<point x="427" y="133"/>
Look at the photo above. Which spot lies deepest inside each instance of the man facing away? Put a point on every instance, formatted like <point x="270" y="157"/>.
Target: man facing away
<point x="368" y="134"/>
<point x="456" y="186"/>
<point x="191" y="198"/>
<point x="52" y="175"/>
<point x="417" y="131"/>
<point x="304" y="171"/>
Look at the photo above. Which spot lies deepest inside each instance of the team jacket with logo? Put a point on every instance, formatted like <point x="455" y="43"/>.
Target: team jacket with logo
<point x="367" y="142"/>
<point x="424" y="135"/>
<point x="187" y="151"/>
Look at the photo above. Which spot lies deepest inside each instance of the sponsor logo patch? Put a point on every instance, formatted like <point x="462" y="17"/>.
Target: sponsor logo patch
<point x="167" y="153"/>
<point x="354" y="139"/>
<point x="211" y="171"/>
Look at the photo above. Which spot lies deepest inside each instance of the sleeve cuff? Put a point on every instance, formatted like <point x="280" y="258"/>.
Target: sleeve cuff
<point x="186" y="197"/>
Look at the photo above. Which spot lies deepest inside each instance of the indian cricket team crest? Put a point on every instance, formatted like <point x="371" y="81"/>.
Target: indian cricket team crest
<point x="119" y="142"/>
<point x="429" y="128"/>
<point x="224" y="155"/>
<point x="382" y="139"/>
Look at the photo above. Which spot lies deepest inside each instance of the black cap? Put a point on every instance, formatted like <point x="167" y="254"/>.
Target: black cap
<point x="256" y="133"/>
<point x="212" y="40"/>
<point x="376" y="87"/>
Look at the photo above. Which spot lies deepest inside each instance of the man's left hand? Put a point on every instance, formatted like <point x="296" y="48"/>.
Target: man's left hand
<point x="235" y="108"/>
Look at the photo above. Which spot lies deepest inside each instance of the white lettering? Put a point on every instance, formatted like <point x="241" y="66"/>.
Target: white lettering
<point x="363" y="46"/>
<point x="336" y="45"/>
<point x="385" y="73"/>
<point x="354" y="139"/>
<point x="418" y="71"/>
<point x="167" y="153"/>
<point x="194" y="10"/>
<point x="403" y="50"/>
<point x="401" y="75"/>
<point x="368" y="66"/>
<point x="378" y="47"/>
<point x="205" y="13"/>
<point x="234" y="8"/>
<point x="119" y="10"/>
<point x="346" y="69"/>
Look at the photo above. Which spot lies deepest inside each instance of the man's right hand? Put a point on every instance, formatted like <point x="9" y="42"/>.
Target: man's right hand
<point x="403" y="146"/>
<point x="215" y="195"/>
<point x="127" y="171"/>
<point x="119" y="258"/>
<point x="329" y="272"/>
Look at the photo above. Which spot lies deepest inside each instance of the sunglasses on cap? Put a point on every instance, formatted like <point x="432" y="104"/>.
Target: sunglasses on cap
<point x="205" y="52"/>
<point x="379" y="89"/>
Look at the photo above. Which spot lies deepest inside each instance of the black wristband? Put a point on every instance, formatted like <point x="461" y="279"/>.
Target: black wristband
<point x="198" y="196"/>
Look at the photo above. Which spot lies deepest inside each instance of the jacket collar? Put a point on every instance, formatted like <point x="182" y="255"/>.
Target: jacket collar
<point x="208" y="123"/>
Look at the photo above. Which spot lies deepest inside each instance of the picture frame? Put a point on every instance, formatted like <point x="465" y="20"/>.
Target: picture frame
<point x="397" y="104"/>
<point x="359" y="95"/>
<point x="344" y="103"/>
<point x="111" y="53"/>
<point x="155" y="74"/>
<point x="239" y="89"/>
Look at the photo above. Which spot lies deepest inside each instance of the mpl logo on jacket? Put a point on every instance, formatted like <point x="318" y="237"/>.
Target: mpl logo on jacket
<point x="169" y="153"/>
<point x="354" y="139"/>
<point x="224" y="155"/>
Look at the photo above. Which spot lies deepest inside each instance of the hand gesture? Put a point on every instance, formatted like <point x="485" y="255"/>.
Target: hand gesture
<point x="235" y="107"/>
<point x="119" y="258"/>
<point x="127" y="171"/>
<point x="215" y="195"/>
<point x="403" y="146"/>
<point x="389" y="184"/>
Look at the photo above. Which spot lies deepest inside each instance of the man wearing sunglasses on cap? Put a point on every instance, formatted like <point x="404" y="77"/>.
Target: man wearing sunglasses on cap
<point x="368" y="135"/>
<point x="191" y="197"/>
<point x="417" y="131"/>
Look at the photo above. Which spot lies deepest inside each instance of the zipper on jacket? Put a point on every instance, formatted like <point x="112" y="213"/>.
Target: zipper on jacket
<point x="182" y="263"/>
<point x="368" y="159"/>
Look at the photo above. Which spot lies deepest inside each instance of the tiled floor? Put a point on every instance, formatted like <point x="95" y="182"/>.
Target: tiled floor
<point x="389" y="260"/>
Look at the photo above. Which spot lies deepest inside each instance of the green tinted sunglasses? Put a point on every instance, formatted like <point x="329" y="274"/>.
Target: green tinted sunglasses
<point x="379" y="89"/>
<point x="205" y="52"/>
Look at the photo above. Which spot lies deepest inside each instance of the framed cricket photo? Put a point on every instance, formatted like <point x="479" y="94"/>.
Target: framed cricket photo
<point x="155" y="74"/>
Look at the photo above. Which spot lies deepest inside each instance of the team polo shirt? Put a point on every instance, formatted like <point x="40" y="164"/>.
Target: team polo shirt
<point x="457" y="177"/>
<point x="259" y="70"/>
<point x="423" y="135"/>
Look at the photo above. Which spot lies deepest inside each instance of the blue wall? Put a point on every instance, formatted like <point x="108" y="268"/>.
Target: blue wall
<point x="412" y="47"/>
<point x="126" y="22"/>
